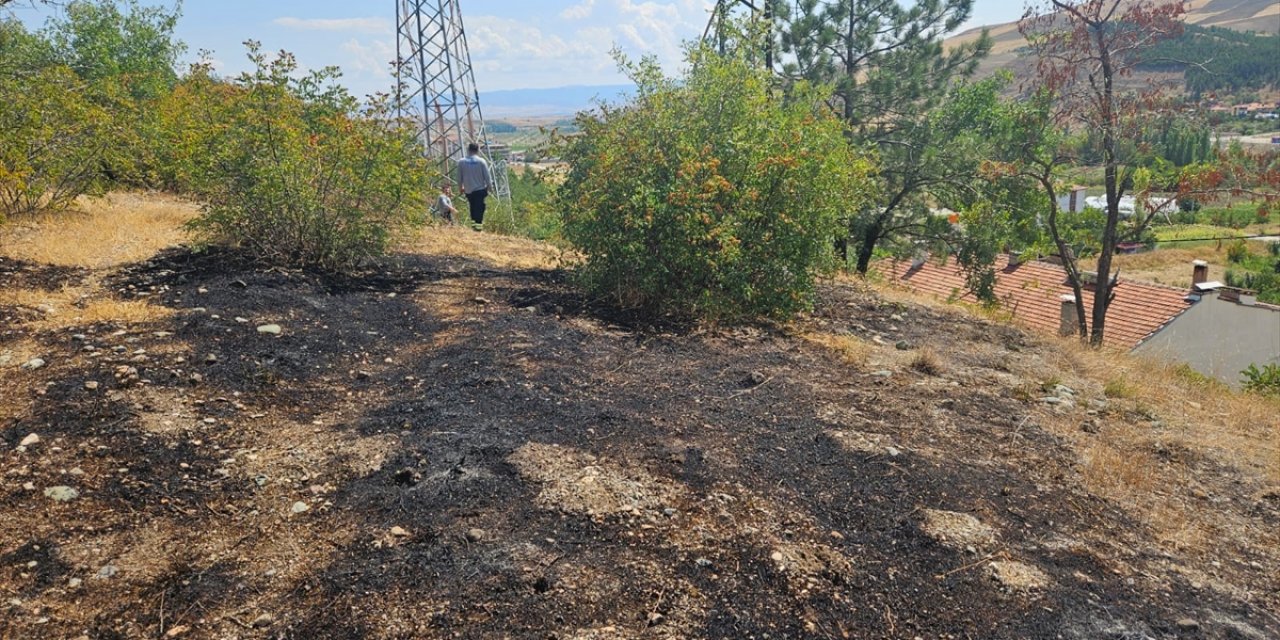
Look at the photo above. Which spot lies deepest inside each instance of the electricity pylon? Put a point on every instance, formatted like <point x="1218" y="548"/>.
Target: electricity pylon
<point x="719" y="26"/>
<point x="435" y="87"/>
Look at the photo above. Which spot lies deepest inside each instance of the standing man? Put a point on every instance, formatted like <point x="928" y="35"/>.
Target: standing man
<point x="474" y="176"/>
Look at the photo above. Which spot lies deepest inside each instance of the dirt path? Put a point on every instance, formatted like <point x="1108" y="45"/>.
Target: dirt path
<point x="447" y="449"/>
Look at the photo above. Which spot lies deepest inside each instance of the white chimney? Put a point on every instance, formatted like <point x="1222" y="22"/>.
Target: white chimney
<point x="1015" y="258"/>
<point x="1069" y="324"/>
<point x="1199" y="272"/>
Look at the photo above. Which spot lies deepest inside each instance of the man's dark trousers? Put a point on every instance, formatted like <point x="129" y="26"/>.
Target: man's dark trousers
<point x="476" y="201"/>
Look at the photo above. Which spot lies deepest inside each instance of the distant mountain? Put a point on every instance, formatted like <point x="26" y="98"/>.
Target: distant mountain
<point x="1262" y="16"/>
<point x="548" y="102"/>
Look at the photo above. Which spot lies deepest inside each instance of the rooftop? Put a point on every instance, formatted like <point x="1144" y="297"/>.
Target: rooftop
<point x="1032" y="291"/>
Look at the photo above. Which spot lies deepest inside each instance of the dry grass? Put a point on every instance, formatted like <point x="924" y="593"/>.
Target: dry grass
<point x="500" y="251"/>
<point x="75" y="306"/>
<point x="1167" y="437"/>
<point x="1172" y="267"/>
<point x="852" y="350"/>
<point x="928" y="362"/>
<point x="104" y="232"/>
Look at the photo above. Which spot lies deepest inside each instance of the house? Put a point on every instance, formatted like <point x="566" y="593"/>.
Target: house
<point x="1073" y="201"/>
<point x="1243" y="330"/>
<point x="1217" y="330"/>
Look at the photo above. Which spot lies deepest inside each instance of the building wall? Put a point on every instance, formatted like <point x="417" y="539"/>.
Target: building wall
<point x="1219" y="338"/>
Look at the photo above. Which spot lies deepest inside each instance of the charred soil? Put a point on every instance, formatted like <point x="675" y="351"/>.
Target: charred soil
<point x="443" y="448"/>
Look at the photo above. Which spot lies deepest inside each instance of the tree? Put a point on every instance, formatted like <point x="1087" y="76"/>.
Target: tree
<point x="1084" y="49"/>
<point x="710" y="196"/>
<point x="119" y="41"/>
<point x="889" y="70"/>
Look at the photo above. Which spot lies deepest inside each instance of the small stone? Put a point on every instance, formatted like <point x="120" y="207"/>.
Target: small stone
<point x="74" y="583"/>
<point x="903" y="345"/>
<point x="61" y="493"/>
<point x="109" y="571"/>
<point x="882" y="374"/>
<point x="893" y="451"/>
<point x="264" y="620"/>
<point x="475" y="535"/>
<point x="33" y="364"/>
<point x="76" y="471"/>
<point x="655" y="619"/>
<point x="271" y="329"/>
<point x="174" y="632"/>
<point x="836" y="535"/>
<point x="399" y="532"/>
<point x="211" y="359"/>
<point x="91" y="385"/>
<point x="776" y="556"/>
<point x="703" y="562"/>
<point x="240" y="320"/>
<point x="79" y="337"/>
<point x="480" y="300"/>
<point x="30" y="440"/>
<point x="45" y="309"/>
<point x="1188" y="624"/>
<point x="299" y="507"/>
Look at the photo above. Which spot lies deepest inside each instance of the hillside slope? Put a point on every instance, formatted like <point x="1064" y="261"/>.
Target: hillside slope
<point x="454" y="446"/>
<point x="1262" y="16"/>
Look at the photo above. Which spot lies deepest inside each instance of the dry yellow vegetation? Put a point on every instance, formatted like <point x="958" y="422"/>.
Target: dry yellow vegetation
<point x="102" y="232"/>
<point x="500" y="251"/>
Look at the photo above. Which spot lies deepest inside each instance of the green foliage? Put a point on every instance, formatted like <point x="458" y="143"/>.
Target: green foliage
<point x="1263" y="381"/>
<point x="53" y="141"/>
<point x="119" y="42"/>
<point x="710" y="196"/>
<point x="1237" y="251"/>
<point x="890" y="73"/>
<point x="1217" y="59"/>
<point x="299" y="177"/>
<point x="532" y="214"/>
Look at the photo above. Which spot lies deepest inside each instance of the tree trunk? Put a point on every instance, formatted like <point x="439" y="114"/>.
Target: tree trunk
<point x="867" y="247"/>
<point x="1102" y="290"/>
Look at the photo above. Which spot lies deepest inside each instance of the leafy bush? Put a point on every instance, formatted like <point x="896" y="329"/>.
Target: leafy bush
<point x="532" y="214"/>
<point x="53" y="141"/>
<point x="1237" y="251"/>
<point x="1264" y="380"/>
<point x="299" y="176"/>
<point x="710" y="196"/>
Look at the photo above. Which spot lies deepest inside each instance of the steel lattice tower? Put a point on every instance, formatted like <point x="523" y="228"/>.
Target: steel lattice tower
<point x="718" y="27"/>
<point x="437" y="89"/>
<point x="717" y="31"/>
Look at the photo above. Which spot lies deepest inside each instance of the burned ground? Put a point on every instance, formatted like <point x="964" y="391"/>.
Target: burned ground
<point x="444" y="448"/>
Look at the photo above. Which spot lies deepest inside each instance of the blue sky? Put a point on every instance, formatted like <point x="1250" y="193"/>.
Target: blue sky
<point x="514" y="43"/>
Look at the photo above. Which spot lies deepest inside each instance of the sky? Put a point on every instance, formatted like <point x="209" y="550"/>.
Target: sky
<point x="515" y="44"/>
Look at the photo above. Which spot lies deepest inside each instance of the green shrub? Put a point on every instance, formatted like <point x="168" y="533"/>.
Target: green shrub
<point x="1237" y="251"/>
<point x="1264" y="380"/>
<point x="299" y="176"/>
<point x="532" y="213"/>
<point x="53" y="141"/>
<point x="711" y="196"/>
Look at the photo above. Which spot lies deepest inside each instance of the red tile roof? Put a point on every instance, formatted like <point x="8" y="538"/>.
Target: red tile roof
<point x="1032" y="291"/>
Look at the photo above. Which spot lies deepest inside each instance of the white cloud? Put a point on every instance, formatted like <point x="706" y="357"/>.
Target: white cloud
<point x="354" y="25"/>
<point x="372" y="60"/>
<point x="580" y="11"/>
